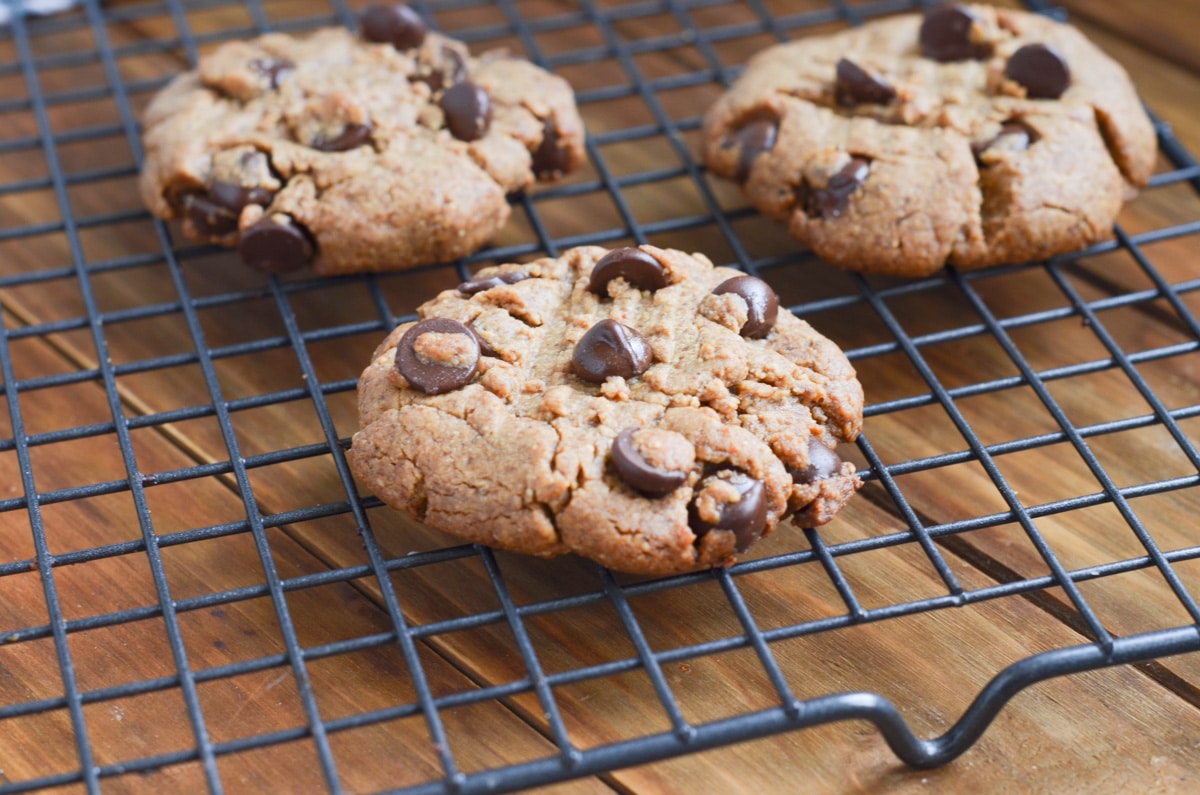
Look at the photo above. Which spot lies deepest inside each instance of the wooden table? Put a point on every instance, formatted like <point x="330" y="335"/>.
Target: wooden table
<point x="174" y="480"/>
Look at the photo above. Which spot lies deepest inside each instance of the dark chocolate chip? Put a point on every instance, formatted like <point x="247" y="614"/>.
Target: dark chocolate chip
<point x="632" y="264"/>
<point x="468" y="110"/>
<point x="822" y="463"/>
<point x="946" y="35"/>
<point x="453" y="69"/>
<point x="351" y="137"/>
<point x="550" y="160"/>
<point x="235" y="197"/>
<point x="276" y="244"/>
<point x="761" y="302"/>
<point x="274" y="68"/>
<point x="456" y="68"/>
<point x="746" y="518"/>
<point x="1014" y="134"/>
<point x="638" y="473"/>
<point x="393" y="23"/>
<point x="831" y="201"/>
<point x="856" y="85"/>
<point x="210" y="218"/>
<point x="434" y="378"/>
<point x="752" y="140"/>
<point x="487" y="283"/>
<point x="1041" y="69"/>
<point x="484" y="348"/>
<point x="610" y="348"/>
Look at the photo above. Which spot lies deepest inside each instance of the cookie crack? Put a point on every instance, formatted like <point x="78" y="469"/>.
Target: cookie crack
<point x="1081" y="220"/>
<point x="1108" y="134"/>
<point x="850" y="113"/>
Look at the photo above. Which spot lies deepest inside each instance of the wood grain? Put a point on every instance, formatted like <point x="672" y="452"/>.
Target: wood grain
<point x="236" y="631"/>
<point x="1170" y="31"/>
<point x="1118" y="730"/>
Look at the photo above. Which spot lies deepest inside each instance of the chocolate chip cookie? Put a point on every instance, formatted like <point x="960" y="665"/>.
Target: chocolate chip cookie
<point x="354" y="152"/>
<point x="968" y="136"/>
<point x="638" y="407"/>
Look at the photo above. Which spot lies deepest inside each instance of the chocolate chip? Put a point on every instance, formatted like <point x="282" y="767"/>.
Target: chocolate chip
<point x="468" y="110"/>
<point x="351" y="137"/>
<point x="274" y="68"/>
<point x="761" y="302"/>
<point x="946" y="35"/>
<point x="1014" y="135"/>
<point x="752" y="140"/>
<point x="487" y="283"/>
<point x="484" y="348"/>
<point x="632" y="264"/>
<point x="393" y="23"/>
<point x="640" y="474"/>
<point x="1041" y="69"/>
<point x="831" y="201"/>
<point x="453" y="69"/>
<point x="855" y="85"/>
<point x="210" y="218"/>
<point x="746" y="518"/>
<point x="822" y="463"/>
<point x="550" y="160"/>
<point x="456" y="67"/>
<point x="431" y="377"/>
<point x="235" y="197"/>
<point x="610" y="348"/>
<point x="276" y="244"/>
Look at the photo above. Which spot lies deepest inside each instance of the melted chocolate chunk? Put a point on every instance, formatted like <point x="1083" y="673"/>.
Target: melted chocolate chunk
<point x="210" y="218"/>
<point x="484" y="348"/>
<point x="638" y="473"/>
<point x="752" y="140"/>
<point x="274" y="68"/>
<point x="946" y="35"/>
<point x="468" y="110"/>
<point x="393" y="23"/>
<point x="610" y="348"/>
<point x="746" y="518"/>
<point x="434" y="378"/>
<point x="632" y="264"/>
<point x="761" y="301"/>
<point x="487" y="283"/>
<point x="453" y="69"/>
<point x="831" y="201"/>
<point x="855" y="85"/>
<point x="550" y="160"/>
<point x="1041" y="69"/>
<point x="235" y="197"/>
<point x="822" y="463"/>
<point x="1014" y="135"/>
<point x="276" y="244"/>
<point x="352" y="137"/>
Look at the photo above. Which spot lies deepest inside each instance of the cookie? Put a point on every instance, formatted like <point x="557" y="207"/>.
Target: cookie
<point x="638" y="407"/>
<point x="354" y="152"/>
<point x="969" y="136"/>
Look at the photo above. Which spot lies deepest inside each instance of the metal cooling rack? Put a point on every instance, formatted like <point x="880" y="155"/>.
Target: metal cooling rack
<point x="35" y="56"/>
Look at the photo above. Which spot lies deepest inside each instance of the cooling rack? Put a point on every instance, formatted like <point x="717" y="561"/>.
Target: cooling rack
<point x="195" y="595"/>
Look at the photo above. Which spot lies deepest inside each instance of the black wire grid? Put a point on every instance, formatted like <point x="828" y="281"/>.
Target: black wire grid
<point x="72" y="234"/>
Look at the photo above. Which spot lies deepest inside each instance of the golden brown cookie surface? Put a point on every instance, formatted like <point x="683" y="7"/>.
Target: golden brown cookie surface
<point x="355" y="151"/>
<point x="638" y="407"/>
<point x="969" y="136"/>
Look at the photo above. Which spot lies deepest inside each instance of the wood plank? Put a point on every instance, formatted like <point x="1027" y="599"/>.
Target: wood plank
<point x="1170" y="31"/>
<point x="132" y="726"/>
<point x="601" y="710"/>
<point x="1093" y="732"/>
